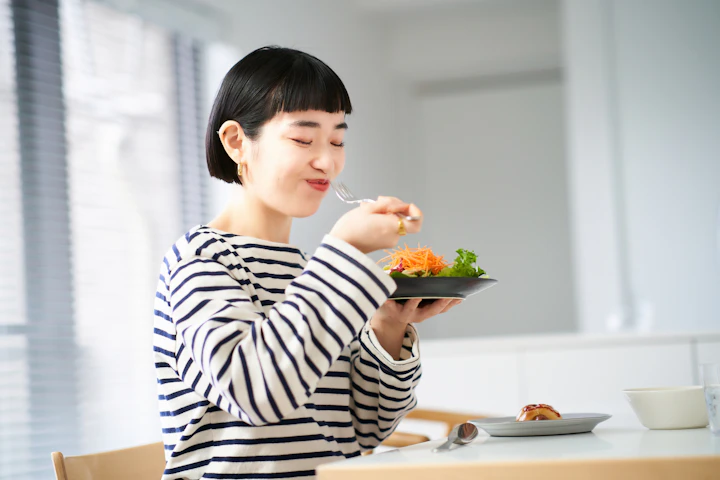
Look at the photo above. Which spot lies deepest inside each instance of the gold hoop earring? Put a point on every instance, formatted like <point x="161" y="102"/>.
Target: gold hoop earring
<point x="240" y="171"/>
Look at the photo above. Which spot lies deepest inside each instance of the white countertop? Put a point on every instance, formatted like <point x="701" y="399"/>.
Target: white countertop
<point x="602" y="443"/>
<point x="615" y="450"/>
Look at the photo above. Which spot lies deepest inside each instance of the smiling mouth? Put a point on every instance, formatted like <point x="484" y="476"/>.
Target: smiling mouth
<point x="319" y="184"/>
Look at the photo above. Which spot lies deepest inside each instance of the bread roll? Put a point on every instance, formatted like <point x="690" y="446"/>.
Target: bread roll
<point x="538" y="411"/>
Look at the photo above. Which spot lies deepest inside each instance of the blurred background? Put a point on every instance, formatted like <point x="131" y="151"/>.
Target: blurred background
<point x="573" y="144"/>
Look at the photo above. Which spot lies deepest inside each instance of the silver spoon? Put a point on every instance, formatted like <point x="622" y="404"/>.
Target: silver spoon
<point x="461" y="435"/>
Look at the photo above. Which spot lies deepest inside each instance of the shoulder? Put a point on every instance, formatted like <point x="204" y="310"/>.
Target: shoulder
<point x="201" y="242"/>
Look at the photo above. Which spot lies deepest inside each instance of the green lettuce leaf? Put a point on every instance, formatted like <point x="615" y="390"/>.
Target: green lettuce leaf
<point x="463" y="266"/>
<point x="399" y="275"/>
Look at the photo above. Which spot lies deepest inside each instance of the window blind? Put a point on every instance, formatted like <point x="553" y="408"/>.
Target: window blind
<point x="46" y="402"/>
<point x="14" y="436"/>
<point x="193" y="170"/>
<point x="102" y="171"/>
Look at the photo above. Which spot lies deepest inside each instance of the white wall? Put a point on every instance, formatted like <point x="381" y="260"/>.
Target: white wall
<point x="472" y="39"/>
<point x="668" y="78"/>
<point x="592" y="167"/>
<point x="495" y="171"/>
<point x="644" y="112"/>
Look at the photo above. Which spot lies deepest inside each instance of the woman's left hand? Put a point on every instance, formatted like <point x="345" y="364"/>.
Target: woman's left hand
<point x="391" y="319"/>
<point x="410" y="312"/>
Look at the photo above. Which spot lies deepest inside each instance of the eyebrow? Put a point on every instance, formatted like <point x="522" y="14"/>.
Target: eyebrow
<point x="311" y="124"/>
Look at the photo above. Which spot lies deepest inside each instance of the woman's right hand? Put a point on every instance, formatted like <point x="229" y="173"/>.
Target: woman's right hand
<point x="374" y="226"/>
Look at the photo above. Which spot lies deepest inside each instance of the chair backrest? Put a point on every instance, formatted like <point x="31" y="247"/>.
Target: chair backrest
<point x="146" y="462"/>
<point x="450" y="419"/>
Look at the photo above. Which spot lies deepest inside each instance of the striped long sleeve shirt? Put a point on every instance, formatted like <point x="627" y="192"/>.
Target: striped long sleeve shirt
<point x="266" y="364"/>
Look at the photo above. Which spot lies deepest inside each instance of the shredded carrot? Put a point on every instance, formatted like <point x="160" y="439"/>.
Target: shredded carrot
<point x="420" y="258"/>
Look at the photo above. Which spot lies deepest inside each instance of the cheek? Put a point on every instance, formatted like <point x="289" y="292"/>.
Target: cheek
<point x="286" y="168"/>
<point x="274" y="166"/>
<point x="340" y="162"/>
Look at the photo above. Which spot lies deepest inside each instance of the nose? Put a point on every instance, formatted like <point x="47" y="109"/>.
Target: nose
<point x="325" y="162"/>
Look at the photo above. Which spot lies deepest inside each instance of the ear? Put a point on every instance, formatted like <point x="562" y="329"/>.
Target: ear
<point x="233" y="140"/>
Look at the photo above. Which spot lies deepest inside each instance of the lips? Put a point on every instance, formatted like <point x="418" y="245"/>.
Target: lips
<point x="320" y="184"/>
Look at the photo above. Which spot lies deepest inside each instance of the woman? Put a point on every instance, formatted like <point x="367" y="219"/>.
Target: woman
<point x="269" y="363"/>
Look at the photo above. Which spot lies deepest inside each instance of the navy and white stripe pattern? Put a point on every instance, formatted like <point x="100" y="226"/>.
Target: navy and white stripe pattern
<point x="266" y="364"/>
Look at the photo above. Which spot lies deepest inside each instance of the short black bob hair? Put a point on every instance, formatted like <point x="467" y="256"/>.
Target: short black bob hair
<point x="262" y="84"/>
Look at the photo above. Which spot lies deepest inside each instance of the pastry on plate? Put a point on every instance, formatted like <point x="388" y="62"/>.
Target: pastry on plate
<point x="537" y="411"/>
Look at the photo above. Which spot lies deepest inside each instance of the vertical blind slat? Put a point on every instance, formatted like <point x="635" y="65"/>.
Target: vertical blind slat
<point x="40" y="111"/>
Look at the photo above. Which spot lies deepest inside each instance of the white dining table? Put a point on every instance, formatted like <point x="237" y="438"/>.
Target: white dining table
<point x="612" y="451"/>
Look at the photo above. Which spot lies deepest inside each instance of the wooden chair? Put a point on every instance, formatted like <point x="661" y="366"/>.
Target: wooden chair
<point x="450" y="419"/>
<point x="146" y="462"/>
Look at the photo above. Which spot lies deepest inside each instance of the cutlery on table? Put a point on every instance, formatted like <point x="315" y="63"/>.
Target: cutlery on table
<point x="460" y="435"/>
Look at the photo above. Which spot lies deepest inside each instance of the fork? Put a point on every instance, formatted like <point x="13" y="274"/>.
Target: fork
<point x="347" y="196"/>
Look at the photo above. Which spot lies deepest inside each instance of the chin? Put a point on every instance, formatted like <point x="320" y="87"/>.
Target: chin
<point x="304" y="211"/>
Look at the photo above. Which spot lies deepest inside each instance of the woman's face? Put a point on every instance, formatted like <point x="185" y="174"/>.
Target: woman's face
<point x="291" y="163"/>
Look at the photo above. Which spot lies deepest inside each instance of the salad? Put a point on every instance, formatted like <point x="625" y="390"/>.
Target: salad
<point x="422" y="262"/>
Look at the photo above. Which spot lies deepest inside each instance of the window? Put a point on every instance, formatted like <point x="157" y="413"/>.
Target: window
<point x="109" y="172"/>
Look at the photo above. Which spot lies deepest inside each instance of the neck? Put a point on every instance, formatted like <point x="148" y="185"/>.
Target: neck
<point x="246" y="215"/>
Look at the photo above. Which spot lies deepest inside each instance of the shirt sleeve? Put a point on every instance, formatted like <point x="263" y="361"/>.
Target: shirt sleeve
<point x="262" y="368"/>
<point x="383" y="389"/>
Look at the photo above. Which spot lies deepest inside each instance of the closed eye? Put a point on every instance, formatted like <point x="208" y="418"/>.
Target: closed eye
<point x="302" y="142"/>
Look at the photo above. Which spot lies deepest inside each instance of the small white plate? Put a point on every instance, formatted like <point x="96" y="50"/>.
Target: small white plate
<point x="570" y="423"/>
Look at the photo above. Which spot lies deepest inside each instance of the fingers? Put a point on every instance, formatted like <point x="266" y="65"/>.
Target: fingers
<point x="411" y="305"/>
<point x="452" y="304"/>
<point x="386" y="221"/>
<point x="394" y="223"/>
<point x="437" y="307"/>
<point x="388" y="205"/>
<point x="392" y="307"/>
<point x="395" y="205"/>
<point x="421" y="314"/>
<point x="411" y="312"/>
<point x="414" y="210"/>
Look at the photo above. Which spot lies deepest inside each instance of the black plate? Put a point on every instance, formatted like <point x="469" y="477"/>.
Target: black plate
<point x="431" y="288"/>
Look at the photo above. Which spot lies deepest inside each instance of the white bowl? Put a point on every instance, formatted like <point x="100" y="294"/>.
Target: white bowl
<point x="669" y="408"/>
